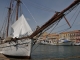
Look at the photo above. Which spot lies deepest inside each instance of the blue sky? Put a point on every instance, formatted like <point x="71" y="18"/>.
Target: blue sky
<point x="42" y="11"/>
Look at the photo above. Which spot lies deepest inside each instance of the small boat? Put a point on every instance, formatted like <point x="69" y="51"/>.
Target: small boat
<point x="76" y="43"/>
<point x="64" y="42"/>
<point x="47" y="42"/>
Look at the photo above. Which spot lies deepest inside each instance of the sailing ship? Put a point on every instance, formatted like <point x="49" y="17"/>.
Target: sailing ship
<point x="21" y="48"/>
<point x="20" y="28"/>
<point x="19" y="45"/>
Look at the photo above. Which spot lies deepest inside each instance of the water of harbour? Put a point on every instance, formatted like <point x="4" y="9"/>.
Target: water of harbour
<point x="50" y="52"/>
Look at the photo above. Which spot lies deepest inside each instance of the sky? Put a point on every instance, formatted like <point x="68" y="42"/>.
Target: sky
<point x="37" y="12"/>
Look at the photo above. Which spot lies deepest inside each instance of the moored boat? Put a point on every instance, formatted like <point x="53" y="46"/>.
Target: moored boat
<point x="76" y="43"/>
<point x="64" y="42"/>
<point x="47" y="42"/>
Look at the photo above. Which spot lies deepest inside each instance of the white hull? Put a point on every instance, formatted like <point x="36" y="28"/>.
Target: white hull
<point x="22" y="49"/>
<point x="47" y="42"/>
<point x="77" y="44"/>
<point x="65" y="43"/>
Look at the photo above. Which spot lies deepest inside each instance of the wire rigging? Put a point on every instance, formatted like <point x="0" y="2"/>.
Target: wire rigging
<point x="30" y="13"/>
<point x="76" y="17"/>
<point x="69" y="20"/>
<point x="53" y="27"/>
<point x="74" y="13"/>
<point x="4" y="23"/>
<point x="42" y="7"/>
<point x="72" y="23"/>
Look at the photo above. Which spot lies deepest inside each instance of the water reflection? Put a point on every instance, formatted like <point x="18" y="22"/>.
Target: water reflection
<point x="49" y="52"/>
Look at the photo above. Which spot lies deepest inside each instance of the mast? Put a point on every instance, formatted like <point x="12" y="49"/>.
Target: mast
<point x="17" y="9"/>
<point x="9" y="13"/>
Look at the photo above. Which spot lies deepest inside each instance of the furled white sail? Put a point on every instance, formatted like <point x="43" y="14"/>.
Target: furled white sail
<point x="21" y="27"/>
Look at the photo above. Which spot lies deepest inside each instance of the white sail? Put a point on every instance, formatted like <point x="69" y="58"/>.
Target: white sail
<point x="21" y="27"/>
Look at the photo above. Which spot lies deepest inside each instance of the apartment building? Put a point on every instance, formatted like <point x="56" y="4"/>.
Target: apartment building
<point x="75" y="35"/>
<point x="71" y="35"/>
<point x="54" y="37"/>
<point x="64" y="35"/>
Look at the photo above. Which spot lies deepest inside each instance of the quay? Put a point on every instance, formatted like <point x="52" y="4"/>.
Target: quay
<point x="2" y="57"/>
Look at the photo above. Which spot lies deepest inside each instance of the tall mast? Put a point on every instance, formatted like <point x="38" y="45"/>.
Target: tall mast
<point x="9" y="13"/>
<point x="17" y="9"/>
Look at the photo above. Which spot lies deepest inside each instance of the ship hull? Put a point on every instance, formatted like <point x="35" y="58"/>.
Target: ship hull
<point x="19" y="57"/>
<point x="19" y="50"/>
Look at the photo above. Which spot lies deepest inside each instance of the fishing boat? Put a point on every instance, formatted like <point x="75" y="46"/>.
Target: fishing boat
<point x="19" y="44"/>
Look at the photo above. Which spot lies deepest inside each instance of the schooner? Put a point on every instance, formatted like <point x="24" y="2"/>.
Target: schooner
<point x="19" y="45"/>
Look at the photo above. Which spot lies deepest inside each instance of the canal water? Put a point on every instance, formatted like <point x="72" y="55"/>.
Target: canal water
<point x="50" y="52"/>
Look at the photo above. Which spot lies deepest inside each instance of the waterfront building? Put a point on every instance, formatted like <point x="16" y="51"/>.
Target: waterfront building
<point x="50" y="36"/>
<point x="64" y="35"/>
<point x="54" y="37"/>
<point x="75" y="35"/>
<point x="71" y="35"/>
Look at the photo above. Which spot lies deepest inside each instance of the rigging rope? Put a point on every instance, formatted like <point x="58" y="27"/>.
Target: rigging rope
<point x="42" y="7"/>
<point x="63" y="30"/>
<point x="76" y="18"/>
<point x="16" y="44"/>
<point x="54" y="27"/>
<point x="4" y="24"/>
<point x="74" y="13"/>
<point x="50" y="31"/>
<point x="72" y="23"/>
<point x="69" y="21"/>
<point x="30" y="13"/>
